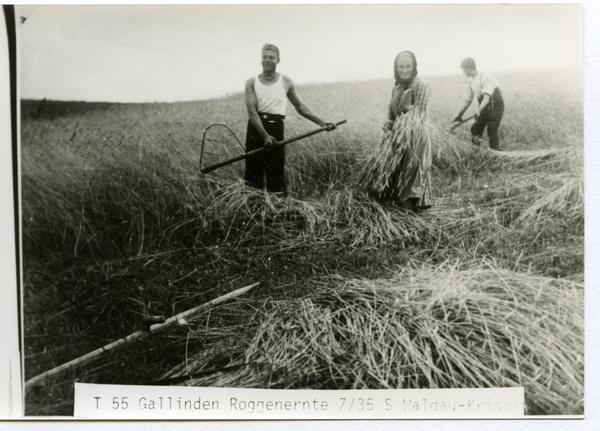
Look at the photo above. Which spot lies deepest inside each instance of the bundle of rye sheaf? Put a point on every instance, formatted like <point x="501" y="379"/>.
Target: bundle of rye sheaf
<point x="392" y="168"/>
<point x="422" y="327"/>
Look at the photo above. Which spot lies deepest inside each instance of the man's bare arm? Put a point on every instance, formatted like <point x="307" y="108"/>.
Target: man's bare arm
<point x="483" y="104"/>
<point x="468" y="101"/>
<point x="302" y="108"/>
<point x="463" y="109"/>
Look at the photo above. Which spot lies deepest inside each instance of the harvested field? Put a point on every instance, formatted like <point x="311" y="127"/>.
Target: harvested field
<point x="484" y="289"/>
<point x="421" y="328"/>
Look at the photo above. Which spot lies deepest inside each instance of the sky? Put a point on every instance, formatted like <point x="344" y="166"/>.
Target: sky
<point x="188" y="52"/>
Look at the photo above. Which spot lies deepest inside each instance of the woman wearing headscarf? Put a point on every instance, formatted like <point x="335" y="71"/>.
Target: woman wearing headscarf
<point x="400" y="171"/>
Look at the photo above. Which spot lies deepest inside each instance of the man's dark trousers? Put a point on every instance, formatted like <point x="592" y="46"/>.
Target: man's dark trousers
<point x="490" y="116"/>
<point x="268" y="165"/>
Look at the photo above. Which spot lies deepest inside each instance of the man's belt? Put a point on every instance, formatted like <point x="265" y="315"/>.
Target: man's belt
<point x="271" y="117"/>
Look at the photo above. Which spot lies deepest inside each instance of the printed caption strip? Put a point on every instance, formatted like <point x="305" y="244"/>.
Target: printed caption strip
<point x="182" y="402"/>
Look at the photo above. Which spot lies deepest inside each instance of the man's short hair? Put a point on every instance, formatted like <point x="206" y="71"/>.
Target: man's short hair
<point x="468" y="63"/>
<point x="269" y="47"/>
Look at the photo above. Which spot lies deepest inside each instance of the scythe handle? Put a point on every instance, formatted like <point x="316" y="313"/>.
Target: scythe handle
<point x="462" y="122"/>
<point x="263" y="149"/>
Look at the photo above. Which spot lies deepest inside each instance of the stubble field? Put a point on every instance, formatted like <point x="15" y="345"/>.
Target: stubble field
<point x="485" y="289"/>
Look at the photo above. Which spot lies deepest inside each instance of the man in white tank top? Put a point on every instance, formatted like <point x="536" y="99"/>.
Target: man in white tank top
<point x="266" y="100"/>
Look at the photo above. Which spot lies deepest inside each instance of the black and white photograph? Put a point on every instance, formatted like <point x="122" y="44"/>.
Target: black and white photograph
<point x="302" y="197"/>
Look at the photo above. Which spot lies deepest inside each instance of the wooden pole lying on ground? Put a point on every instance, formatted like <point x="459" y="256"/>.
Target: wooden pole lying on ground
<point x="92" y="356"/>
<point x="263" y="149"/>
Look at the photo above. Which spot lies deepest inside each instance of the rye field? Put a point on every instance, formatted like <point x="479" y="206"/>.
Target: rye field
<point x="485" y="289"/>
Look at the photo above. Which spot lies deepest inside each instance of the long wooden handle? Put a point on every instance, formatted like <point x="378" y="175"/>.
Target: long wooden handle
<point x="92" y="356"/>
<point x="462" y="122"/>
<point x="263" y="149"/>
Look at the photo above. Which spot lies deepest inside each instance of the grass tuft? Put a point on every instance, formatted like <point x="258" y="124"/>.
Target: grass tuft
<point x="248" y="217"/>
<point x="422" y="327"/>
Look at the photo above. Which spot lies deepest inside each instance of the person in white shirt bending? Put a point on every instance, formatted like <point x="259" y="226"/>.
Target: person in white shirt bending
<point x="266" y="100"/>
<point x="491" y="105"/>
